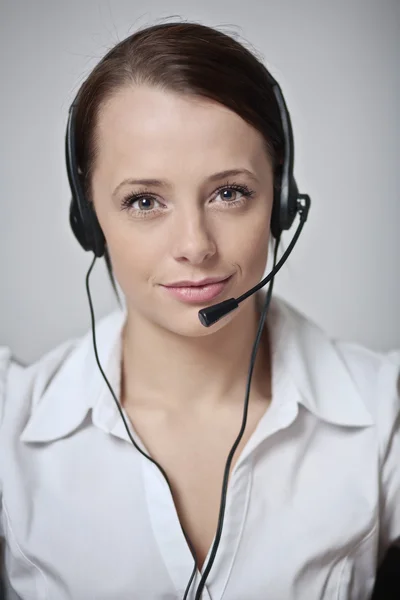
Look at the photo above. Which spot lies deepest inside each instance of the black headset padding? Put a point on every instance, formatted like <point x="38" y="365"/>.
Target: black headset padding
<point x="285" y="205"/>
<point x="82" y="217"/>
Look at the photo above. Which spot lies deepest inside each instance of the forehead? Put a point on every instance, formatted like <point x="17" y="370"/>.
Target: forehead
<point x="167" y="130"/>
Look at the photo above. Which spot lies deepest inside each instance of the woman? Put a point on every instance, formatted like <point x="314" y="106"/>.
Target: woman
<point x="180" y="149"/>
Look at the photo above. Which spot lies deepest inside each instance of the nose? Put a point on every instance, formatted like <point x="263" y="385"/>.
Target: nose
<point x="192" y="239"/>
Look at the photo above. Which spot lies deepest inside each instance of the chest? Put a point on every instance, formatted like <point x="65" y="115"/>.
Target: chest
<point x="87" y="518"/>
<point x="193" y="453"/>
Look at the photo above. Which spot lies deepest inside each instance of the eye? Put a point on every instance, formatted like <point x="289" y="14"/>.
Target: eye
<point x="142" y="202"/>
<point x="229" y="193"/>
<point x="145" y="203"/>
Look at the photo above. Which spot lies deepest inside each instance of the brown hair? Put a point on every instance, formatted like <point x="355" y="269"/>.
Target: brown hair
<point x="187" y="58"/>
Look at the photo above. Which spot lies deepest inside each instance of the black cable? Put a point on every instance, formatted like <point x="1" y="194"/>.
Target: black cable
<point x="233" y="449"/>
<point x="303" y="208"/>
<point x="122" y="414"/>
<point x="237" y="441"/>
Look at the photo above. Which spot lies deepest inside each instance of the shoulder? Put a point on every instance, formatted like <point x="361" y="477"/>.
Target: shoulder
<point x="377" y="377"/>
<point x="363" y="364"/>
<point x="18" y="381"/>
<point x="374" y="375"/>
<point x="24" y="386"/>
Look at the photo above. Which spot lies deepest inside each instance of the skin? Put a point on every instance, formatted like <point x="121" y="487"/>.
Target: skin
<point x="182" y="384"/>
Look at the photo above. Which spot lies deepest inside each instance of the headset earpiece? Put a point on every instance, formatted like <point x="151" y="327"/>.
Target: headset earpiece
<point x="82" y="217"/>
<point x="87" y="230"/>
<point x="285" y="205"/>
<point x="286" y="194"/>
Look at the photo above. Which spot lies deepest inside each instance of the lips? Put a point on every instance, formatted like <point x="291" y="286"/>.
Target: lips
<point x="195" y="293"/>
<point x="202" y="282"/>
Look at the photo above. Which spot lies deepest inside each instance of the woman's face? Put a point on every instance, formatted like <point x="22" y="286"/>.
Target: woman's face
<point x="188" y="223"/>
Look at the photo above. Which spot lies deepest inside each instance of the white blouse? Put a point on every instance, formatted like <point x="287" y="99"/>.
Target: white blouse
<point x="313" y="502"/>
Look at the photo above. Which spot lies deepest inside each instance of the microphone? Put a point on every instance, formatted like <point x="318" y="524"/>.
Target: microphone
<point x="210" y="315"/>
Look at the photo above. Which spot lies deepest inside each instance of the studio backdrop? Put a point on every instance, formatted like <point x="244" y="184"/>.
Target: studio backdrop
<point x="338" y="66"/>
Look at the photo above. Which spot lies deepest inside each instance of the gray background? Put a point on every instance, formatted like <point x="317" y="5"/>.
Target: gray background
<point x="338" y="66"/>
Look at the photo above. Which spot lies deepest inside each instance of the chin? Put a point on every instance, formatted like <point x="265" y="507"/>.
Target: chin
<point x="185" y="322"/>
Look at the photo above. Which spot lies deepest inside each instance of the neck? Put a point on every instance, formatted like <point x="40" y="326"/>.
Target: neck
<point x="165" y="370"/>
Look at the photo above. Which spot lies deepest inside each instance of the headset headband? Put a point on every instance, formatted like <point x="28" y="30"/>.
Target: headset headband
<point x="83" y="219"/>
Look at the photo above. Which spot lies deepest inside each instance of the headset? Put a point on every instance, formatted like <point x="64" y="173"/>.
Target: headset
<point x="287" y="204"/>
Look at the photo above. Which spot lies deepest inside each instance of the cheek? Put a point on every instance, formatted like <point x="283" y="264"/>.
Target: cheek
<point x="250" y="242"/>
<point x="135" y="255"/>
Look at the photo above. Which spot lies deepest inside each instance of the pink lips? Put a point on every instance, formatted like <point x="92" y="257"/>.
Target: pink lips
<point x="199" y="293"/>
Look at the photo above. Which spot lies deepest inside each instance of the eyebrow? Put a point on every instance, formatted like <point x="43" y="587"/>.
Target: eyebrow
<point x="163" y="182"/>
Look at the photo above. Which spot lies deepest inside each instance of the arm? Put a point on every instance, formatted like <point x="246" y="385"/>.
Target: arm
<point x="5" y="356"/>
<point x="389" y="401"/>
